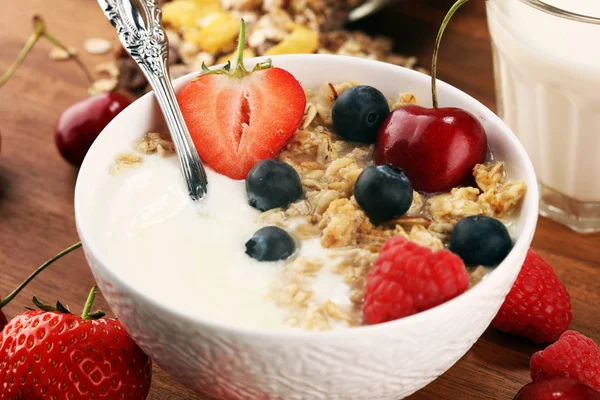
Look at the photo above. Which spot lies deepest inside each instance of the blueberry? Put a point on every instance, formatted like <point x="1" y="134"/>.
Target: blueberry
<point x="480" y="240"/>
<point x="358" y="113"/>
<point x="270" y="244"/>
<point x="271" y="184"/>
<point x="383" y="192"/>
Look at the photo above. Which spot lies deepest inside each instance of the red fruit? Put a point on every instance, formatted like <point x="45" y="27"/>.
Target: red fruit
<point x="80" y="124"/>
<point x="573" y="356"/>
<point x="538" y="305"/>
<point x="408" y="278"/>
<point x="3" y="320"/>
<point x="557" y="389"/>
<point x="437" y="148"/>
<point x="56" y="355"/>
<point x="237" y="118"/>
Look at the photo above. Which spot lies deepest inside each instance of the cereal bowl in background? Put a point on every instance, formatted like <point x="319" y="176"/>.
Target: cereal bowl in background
<point x="385" y="361"/>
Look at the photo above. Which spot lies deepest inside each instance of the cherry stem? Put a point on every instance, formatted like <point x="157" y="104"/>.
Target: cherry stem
<point x="436" y="49"/>
<point x="238" y="61"/>
<point x="72" y="56"/>
<point x="42" y="267"/>
<point x="39" y="30"/>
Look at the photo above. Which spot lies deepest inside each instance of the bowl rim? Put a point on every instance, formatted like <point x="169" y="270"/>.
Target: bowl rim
<point x="519" y="247"/>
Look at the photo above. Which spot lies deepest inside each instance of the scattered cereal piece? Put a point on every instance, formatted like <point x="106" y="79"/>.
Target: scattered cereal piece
<point x="153" y="142"/>
<point x="310" y="112"/>
<point x="421" y="236"/>
<point x="499" y="202"/>
<point x="476" y="274"/>
<point x="58" y="54"/>
<point x="97" y="46"/>
<point x="123" y="161"/>
<point x="488" y="176"/>
<point x="341" y="224"/>
<point x="403" y="100"/>
<point x="454" y="206"/>
<point x="103" y="85"/>
<point x="110" y="68"/>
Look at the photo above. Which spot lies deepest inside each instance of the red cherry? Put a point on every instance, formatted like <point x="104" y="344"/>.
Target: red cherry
<point x="3" y="320"/>
<point x="557" y="389"/>
<point x="436" y="147"/>
<point x="80" y="124"/>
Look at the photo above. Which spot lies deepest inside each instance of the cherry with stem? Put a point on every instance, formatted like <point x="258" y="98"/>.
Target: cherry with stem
<point x="39" y="31"/>
<point x="436" y="147"/>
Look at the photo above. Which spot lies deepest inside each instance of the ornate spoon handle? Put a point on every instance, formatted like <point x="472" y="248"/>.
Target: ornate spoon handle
<point x="142" y="35"/>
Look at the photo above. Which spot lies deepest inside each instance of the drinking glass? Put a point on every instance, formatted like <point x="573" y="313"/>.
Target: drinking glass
<point x="547" y="71"/>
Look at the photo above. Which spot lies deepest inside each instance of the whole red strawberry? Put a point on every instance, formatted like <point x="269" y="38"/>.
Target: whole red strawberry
<point x="408" y="278"/>
<point x="573" y="356"/>
<point x="538" y="305"/>
<point x="53" y="354"/>
<point x="557" y="389"/>
<point x="237" y="118"/>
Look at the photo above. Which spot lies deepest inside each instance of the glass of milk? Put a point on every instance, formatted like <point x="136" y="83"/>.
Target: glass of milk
<point x="547" y="68"/>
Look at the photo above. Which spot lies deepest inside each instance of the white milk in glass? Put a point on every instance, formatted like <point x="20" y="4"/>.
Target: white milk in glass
<point x="548" y="82"/>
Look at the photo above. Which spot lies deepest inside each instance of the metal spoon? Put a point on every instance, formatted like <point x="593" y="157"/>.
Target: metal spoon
<point x="143" y="36"/>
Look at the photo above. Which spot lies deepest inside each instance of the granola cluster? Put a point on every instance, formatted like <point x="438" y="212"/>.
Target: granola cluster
<point x="329" y="167"/>
<point x="328" y="217"/>
<point x="206" y="32"/>
<point x="151" y="143"/>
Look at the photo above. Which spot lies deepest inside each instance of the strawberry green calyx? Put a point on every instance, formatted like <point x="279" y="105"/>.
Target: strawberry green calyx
<point x="236" y="68"/>
<point x="86" y="315"/>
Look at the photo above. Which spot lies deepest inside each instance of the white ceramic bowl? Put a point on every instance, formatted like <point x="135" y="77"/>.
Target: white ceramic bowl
<point x="386" y="361"/>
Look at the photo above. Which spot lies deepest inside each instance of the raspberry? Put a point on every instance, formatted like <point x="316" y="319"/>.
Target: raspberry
<point x="573" y="356"/>
<point x="408" y="278"/>
<point x="538" y="305"/>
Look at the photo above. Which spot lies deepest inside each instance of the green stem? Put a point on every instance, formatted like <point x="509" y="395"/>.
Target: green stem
<point x="86" y="315"/>
<point x="88" y="304"/>
<point x="436" y="49"/>
<point x="238" y="61"/>
<point x="72" y="56"/>
<point x="20" y="58"/>
<point x="39" y="30"/>
<point x="42" y="267"/>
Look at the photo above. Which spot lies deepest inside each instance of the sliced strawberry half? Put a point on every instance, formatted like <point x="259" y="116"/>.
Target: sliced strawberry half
<point x="237" y="118"/>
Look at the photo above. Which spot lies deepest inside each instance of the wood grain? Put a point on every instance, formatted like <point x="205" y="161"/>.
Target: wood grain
<point x="36" y="185"/>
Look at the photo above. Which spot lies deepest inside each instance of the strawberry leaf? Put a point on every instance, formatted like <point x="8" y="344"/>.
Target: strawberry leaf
<point x="43" y="306"/>
<point x="61" y="308"/>
<point x="96" y="315"/>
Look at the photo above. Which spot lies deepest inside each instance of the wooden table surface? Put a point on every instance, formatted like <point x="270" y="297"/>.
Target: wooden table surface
<point x="36" y="185"/>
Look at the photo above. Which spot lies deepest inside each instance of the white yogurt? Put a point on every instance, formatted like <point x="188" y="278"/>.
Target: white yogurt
<point x="548" y="76"/>
<point x="192" y="256"/>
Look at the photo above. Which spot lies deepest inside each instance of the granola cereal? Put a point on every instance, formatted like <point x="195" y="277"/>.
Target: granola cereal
<point x="328" y="168"/>
<point x="329" y="218"/>
<point x="206" y="32"/>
